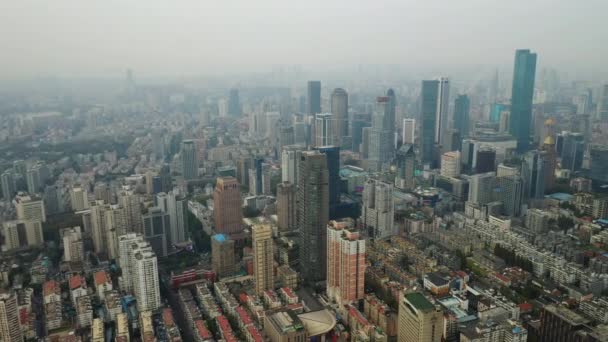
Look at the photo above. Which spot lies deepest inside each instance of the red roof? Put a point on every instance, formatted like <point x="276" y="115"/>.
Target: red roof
<point x="168" y="317"/>
<point x="243" y="297"/>
<point x="288" y="292"/>
<point x="101" y="277"/>
<point x="77" y="281"/>
<point x="51" y="287"/>
<point x="224" y="325"/>
<point x="255" y="334"/>
<point x="245" y="319"/>
<point x="502" y="278"/>
<point x="202" y="330"/>
<point x="525" y="307"/>
<point x="357" y="315"/>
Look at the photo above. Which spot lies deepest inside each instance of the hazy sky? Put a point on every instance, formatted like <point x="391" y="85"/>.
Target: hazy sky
<point x="178" y="37"/>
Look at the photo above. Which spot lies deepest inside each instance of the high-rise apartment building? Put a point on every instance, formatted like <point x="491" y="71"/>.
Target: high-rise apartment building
<point x="510" y="191"/>
<point x="223" y="259"/>
<point x="189" y="160"/>
<point x="339" y="109"/>
<point x="177" y="208"/>
<point x="10" y="327"/>
<point x="139" y="271"/>
<point x="314" y="97"/>
<point x="116" y="225"/>
<point x="129" y="200"/>
<point x="29" y="208"/>
<point x="227" y="205"/>
<point x="19" y="234"/>
<point x="462" y="105"/>
<point x="522" y="93"/>
<point x="533" y="173"/>
<point x="378" y="210"/>
<point x="332" y="154"/>
<point x="7" y="181"/>
<point x="602" y="104"/>
<point x="409" y="131"/>
<point x="263" y="258"/>
<point x="313" y="214"/>
<point x="325" y="130"/>
<point x="450" y="164"/>
<point x="419" y="319"/>
<point x="157" y="226"/>
<point x="345" y="262"/>
<point x="406" y="167"/>
<point x="286" y="206"/>
<point x="98" y="225"/>
<point x="79" y="198"/>
<point x="73" y="247"/>
<point x="290" y="157"/>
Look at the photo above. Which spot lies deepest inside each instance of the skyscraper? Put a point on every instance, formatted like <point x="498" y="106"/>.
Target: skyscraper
<point x="130" y="202"/>
<point x="409" y="131"/>
<point x="73" y="248"/>
<point x="222" y="255"/>
<point x="434" y="109"/>
<point x="480" y="187"/>
<point x="377" y="211"/>
<point x="325" y="132"/>
<point x="286" y="206"/>
<point x="227" y="206"/>
<point x="79" y="198"/>
<point x="551" y="154"/>
<point x="313" y="214"/>
<point x="419" y="319"/>
<point x="339" y="109"/>
<point x="189" y="160"/>
<point x="572" y="151"/>
<point x="10" y="328"/>
<point x="234" y="105"/>
<point x="602" y="104"/>
<point x="533" y="172"/>
<point x="450" y="164"/>
<point x="599" y="164"/>
<point x="157" y="228"/>
<point x="382" y="134"/>
<point x="485" y="159"/>
<point x="345" y="262"/>
<point x="461" y="115"/>
<point x="263" y="258"/>
<point x="177" y="208"/>
<point x="406" y="167"/>
<point x="510" y="190"/>
<point x="144" y="266"/>
<point x="290" y="157"/>
<point x="522" y="94"/>
<point x="8" y="185"/>
<point x="98" y="221"/>
<point x="314" y="97"/>
<point x="333" y="169"/>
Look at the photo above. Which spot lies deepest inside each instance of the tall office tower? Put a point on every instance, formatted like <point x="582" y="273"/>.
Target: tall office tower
<point x="29" y="208"/>
<point x="313" y="214"/>
<point x="485" y="159"/>
<point x="503" y="125"/>
<point x="494" y="88"/>
<point x="32" y="181"/>
<point x="521" y="98"/>
<point x="313" y="105"/>
<point x="406" y="167"/>
<point x="392" y="107"/>
<point x="149" y="175"/>
<point x="450" y="164"/>
<point x="286" y="137"/>
<point x="8" y="185"/>
<point x="382" y="134"/>
<point x="189" y="160"/>
<point x="461" y="115"/>
<point x="157" y="226"/>
<point x="116" y="225"/>
<point x="10" y="327"/>
<point x="357" y="123"/>
<point x="345" y="262"/>
<point x="290" y="157"/>
<point x="378" y="210"/>
<point x="300" y="133"/>
<point x="73" y="248"/>
<point x="419" y="319"/>
<point x="599" y="164"/>
<point x="533" y="172"/>
<point x="255" y="176"/>
<point x="333" y="169"/>
<point x="98" y="226"/>
<point x="130" y="202"/>
<point x="234" y="105"/>
<point x="158" y="144"/>
<point x="79" y="198"/>
<point x="286" y="206"/>
<point x="243" y="165"/>
<point x="53" y="199"/>
<point x="227" y="210"/>
<point x="510" y="190"/>
<point x="166" y="182"/>
<point x="365" y="142"/>
<point x="263" y="258"/>
<point x="551" y="157"/>
<point x="144" y="268"/>
<point x="573" y="150"/>
<point x="434" y="114"/>
<point x="339" y="109"/>
<point x="481" y="186"/>
<point x="223" y="261"/>
<point x="560" y="324"/>
<point x="102" y="192"/>
<point x="602" y="104"/>
<point x="409" y="131"/>
<point x="452" y="141"/>
<point x="325" y="131"/>
<point x="177" y="208"/>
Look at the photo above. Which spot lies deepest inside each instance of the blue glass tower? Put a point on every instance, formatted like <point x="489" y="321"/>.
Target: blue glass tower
<point x="333" y="170"/>
<point x="521" y="98"/>
<point x="461" y="115"/>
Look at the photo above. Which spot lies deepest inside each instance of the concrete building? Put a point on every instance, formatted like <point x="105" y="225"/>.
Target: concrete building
<point x="339" y="109"/>
<point x="79" y="198"/>
<point x="290" y="157"/>
<point x="409" y="131"/>
<point x="7" y="181"/>
<point x="157" y="227"/>
<point x="325" y="131"/>
<point x="450" y="164"/>
<point x="314" y="97"/>
<point x="73" y="248"/>
<point x="284" y="326"/>
<point x="227" y="205"/>
<point x="222" y="255"/>
<point x="144" y="268"/>
<point x="286" y="206"/>
<point x="129" y="200"/>
<point x="406" y="167"/>
<point x="29" y="208"/>
<point x="378" y="210"/>
<point x="419" y="319"/>
<point x="263" y="258"/>
<point x="345" y="262"/>
<point x="382" y="134"/>
<point x="189" y="160"/>
<point x="19" y="234"/>
<point x="10" y="329"/>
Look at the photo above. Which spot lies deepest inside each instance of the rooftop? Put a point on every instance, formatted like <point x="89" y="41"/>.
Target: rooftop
<point x="419" y="301"/>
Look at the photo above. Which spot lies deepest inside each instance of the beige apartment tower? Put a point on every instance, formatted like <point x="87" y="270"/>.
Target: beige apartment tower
<point x="262" y="258"/>
<point x="419" y="319"/>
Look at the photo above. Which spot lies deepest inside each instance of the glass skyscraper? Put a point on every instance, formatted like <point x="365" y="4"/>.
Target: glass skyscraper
<point x="461" y="115"/>
<point x="521" y="98"/>
<point x="314" y="97"/>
